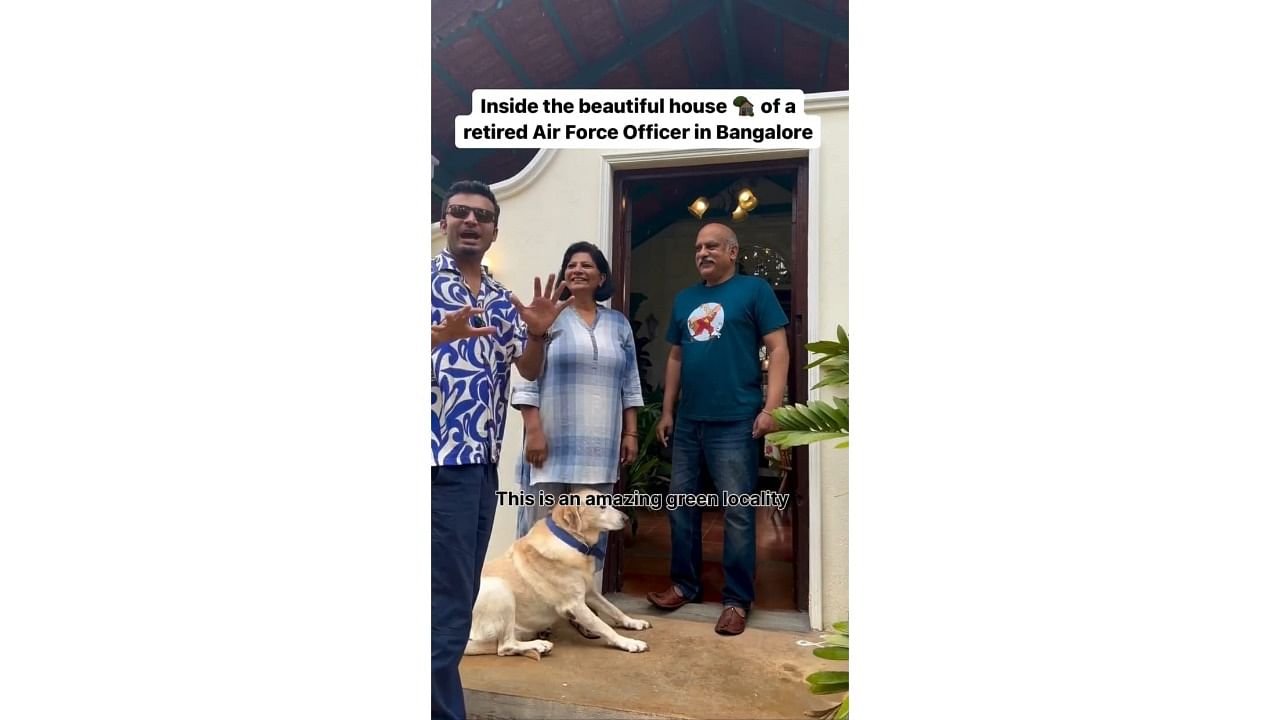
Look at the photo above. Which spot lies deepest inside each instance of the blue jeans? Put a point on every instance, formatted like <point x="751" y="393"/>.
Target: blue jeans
<point x="463" y="501"/>
<point x="730" y="455"/>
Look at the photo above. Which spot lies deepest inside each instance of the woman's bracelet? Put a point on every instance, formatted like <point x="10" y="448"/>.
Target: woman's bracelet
<point x="632" y="434"/>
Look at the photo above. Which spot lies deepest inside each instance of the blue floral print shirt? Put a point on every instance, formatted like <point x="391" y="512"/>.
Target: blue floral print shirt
<point x="470" y="379"/>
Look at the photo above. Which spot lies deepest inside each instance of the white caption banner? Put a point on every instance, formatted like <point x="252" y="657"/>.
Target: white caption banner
<point x="637" y="119"/>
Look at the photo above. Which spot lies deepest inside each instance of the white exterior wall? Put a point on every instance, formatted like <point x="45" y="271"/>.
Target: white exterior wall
<point x="561" y="198"/>
<point x="831" y="267"/>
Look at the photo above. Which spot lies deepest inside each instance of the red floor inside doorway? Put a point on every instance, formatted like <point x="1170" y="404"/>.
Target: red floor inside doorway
<point x="646" y="563"/>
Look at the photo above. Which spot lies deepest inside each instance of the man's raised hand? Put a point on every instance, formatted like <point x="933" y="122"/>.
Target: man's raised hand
<point x="457" y="326"/>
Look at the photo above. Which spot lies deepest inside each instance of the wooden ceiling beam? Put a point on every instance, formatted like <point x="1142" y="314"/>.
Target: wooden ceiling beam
<point x="504" y="53"/>
<point x="644" y="72"/>
<point x="622" y="19"/>
<point x="453" y="161"/>
<point x="445" y="173"/>
<point x="778" y="50"/>
<point x="474" y="157"/>
<point x="729" y="39"/>
<point x="824" y="55"/>
<point x="626" y="32"/>
<point x="550" y="9"/>
<point x="769" y="79"/>
<point x="632" y="49"/>
<point x="825" y="23"/>
<point x="688" y="57"/>
<point x="450" y="83"/>
<point x="444" y="41"/>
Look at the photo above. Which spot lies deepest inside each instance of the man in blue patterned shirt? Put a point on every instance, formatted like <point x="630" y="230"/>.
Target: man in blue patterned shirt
<point x="478" y="331"/>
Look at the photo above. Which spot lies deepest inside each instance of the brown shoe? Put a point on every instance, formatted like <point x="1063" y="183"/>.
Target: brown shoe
<point x="732" y="621"/>
<point x="670" y="599"/>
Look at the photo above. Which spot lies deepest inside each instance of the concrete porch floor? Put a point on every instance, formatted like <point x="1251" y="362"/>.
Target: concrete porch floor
<point x="688" y="672"/>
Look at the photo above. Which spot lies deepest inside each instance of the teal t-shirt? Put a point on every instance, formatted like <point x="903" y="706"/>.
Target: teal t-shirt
<point x="719" y="330"/>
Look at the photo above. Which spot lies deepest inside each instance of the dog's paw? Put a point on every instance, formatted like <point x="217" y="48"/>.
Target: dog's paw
<point x="533" y="649"/>
<point x="634" y="624"/>
<point x="634" y="646"/>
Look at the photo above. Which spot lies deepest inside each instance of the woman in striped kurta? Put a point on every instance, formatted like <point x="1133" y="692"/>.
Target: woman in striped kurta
<point x="580" y="414"/>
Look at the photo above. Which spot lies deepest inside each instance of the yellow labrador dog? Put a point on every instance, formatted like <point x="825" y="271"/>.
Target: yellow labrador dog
<point x="545" y="575"/>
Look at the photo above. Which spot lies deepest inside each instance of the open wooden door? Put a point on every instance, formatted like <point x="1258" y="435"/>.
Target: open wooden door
<point x="620" y="263"/>
<point x="798" y="337"/>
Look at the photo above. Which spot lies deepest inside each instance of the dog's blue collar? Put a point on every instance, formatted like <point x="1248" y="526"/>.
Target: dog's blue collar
<point x="572" y="541"/>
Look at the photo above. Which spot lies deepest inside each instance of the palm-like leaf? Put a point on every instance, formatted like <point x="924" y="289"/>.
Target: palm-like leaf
<point x="836" y="640"/>
<point x="832" y="653"/>
<point x="833" y="358"/>
<point x="835" y="646"/>
<point x="818" y="420"/>
<point x="811" y="423"/>
<point x="835" y="712"/>
<point x="825" y="682"/>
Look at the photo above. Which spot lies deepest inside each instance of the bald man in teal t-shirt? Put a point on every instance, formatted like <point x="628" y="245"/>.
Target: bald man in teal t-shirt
<point x="716" y="330"/>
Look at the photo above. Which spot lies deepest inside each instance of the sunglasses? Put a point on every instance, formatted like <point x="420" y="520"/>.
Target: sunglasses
<point x="482" y="216"/>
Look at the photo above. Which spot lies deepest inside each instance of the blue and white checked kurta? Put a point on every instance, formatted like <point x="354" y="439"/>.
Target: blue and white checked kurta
<point x="589" y="377"/>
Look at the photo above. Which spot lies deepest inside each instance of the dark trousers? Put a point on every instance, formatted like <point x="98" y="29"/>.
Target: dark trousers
<point x="463" y="500"/>
<point x="729" y="452"/>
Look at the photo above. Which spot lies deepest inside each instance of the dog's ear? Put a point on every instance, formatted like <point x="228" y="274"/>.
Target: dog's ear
<point x="569" y="517"/>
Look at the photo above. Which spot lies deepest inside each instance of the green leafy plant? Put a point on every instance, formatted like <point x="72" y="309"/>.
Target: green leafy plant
<point x="650" y="473"/>
<point x="643" y="362"/>
<point x="835" y="646"/>
<point x="818" y="420"/>
<point x="812" y="422"/>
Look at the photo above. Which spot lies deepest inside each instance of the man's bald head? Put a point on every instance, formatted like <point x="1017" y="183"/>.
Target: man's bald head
<point x="725" y="233"/>
<point x="715" y="253"/>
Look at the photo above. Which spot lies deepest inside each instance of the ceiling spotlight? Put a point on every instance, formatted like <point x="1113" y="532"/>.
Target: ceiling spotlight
<point x="699" y="207"/>
<point x="739" y="214"/>
<point x="747" y="199"/>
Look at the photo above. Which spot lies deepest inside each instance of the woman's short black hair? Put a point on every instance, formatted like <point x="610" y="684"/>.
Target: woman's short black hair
<point x="605" y="291"/>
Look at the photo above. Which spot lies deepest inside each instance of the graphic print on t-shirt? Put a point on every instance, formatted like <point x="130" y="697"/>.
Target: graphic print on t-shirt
<point x="705" y="322"/>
